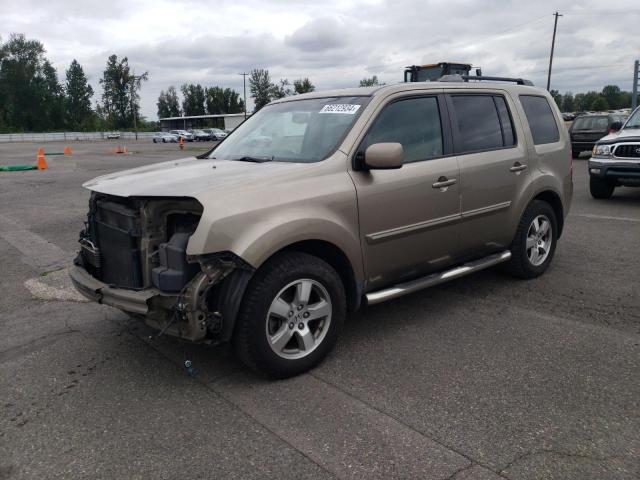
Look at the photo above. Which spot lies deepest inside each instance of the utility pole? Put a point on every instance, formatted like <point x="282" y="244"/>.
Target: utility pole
<point x="634" y="96"/>
<point x="553" y="45"/>
<point x="244" y="86"/>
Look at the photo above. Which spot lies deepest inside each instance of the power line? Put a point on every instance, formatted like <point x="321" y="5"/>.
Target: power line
<point x="499" y="34"/>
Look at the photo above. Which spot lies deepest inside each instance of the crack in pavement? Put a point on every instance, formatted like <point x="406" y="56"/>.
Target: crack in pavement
<point x="551" y="451"/>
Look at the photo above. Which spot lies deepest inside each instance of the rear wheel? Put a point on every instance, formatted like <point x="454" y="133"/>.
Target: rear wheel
<point x="600" y="188"/>
<point x="291" y="315"/>
<point x="535" y="241"/>
<point x="164" y="140"/>
<point x="575" y="154"/>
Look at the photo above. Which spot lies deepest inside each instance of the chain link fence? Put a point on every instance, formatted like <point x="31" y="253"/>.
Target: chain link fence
<point x="68" y="136"/>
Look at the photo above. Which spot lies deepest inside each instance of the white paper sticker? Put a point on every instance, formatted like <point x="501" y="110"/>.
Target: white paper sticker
<point x="345" y="108"/>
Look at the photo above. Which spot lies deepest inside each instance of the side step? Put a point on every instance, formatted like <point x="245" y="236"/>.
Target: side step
<point x="436" y="278"/>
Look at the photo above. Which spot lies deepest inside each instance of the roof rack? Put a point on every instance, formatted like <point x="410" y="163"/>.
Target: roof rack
<point x="466" y="78"/>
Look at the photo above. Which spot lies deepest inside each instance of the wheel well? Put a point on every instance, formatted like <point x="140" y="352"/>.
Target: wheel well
<point x="553" y="199"/>
<point x="338" y="260"/>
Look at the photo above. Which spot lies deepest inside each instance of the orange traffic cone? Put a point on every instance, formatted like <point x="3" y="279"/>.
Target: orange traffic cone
<point x="181" y="143"/>
<point x="42" y="163"/>
<point x="67" y="150"/>
<point x="40" y="151"/>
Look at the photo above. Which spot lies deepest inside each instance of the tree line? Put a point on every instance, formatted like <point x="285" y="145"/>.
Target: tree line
<point x="264" y="90"/>
<point x="610" y="98"/>
<point x="32" y="99"/>
<point x="198" y="100"/>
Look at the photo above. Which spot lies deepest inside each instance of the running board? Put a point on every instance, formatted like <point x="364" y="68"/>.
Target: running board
<point x="436" y="278"/>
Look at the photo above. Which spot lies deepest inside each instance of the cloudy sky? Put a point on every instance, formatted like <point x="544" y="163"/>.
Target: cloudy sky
<point x="334" y="43"/>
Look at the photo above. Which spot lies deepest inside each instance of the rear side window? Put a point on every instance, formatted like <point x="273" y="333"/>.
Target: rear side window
<point x="541" y="120"/>
<point x="483" y="122"/>
<point x="414" y="123"/>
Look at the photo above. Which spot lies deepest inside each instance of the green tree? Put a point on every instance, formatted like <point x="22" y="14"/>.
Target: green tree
<point x="219" y="101"/>
<point x="78" y="98"/>
<point x="21" y="83"/>
<point x="303" y="85"/>
<point x="567" y="102"/>
<point x="281" y="89"/>
<point x="192" y="99"/>
<point x="168" y="103"/>
<point x="120" y="98"/>
<point x="260" y="87"/>
<point x="599" y="105"/>
<point x="612" y="95"/>
<point x="370" y="82"/>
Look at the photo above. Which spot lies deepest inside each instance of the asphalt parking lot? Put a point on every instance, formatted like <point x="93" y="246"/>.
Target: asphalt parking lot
<point x="483" y="378"/>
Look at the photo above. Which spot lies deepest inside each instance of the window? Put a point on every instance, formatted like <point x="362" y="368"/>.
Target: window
<point x="508" y="135"/>
<point x="478" y="123"/>
<point x="298" y="131"/>
<point x="414" y="123"/>
<point x="541" y="119"/>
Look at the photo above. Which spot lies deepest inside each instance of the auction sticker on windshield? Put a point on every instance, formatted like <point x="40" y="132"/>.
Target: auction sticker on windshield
<point x="346" y="108"/>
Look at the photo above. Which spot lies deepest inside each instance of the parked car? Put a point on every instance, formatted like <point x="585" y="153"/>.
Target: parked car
<point x="616" y="159"/>
<point x="186" y="136"/>
<point x="587" y="129"/>
<point x="216" y="133"/>
<point x="325" y="202"/>
<point x="201" y="136"/>
<point x="113" y="135"/>
<point x="164" y="137"/>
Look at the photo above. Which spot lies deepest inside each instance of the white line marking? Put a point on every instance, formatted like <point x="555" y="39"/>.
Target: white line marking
<point x="606" y="217"/>
<point x="38" y="251"/>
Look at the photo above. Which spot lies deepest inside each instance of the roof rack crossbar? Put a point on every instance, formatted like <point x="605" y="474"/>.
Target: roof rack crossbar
<point x="466" y="78"/>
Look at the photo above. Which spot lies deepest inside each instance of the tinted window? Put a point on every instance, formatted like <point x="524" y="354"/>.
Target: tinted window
<point x="478" y="122"/>
<point x="415" y="123"/>
<point x="541" y="120"/>
<point x="591" y="123"/>
<point x="508" y="135"/>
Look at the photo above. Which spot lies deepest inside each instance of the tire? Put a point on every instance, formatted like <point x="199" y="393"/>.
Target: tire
<point x="600" y="188"/>
<point x="528" y="240"/>
<point x="575" y="154"/>
<point x="270" y="315"/>
<point x="164" y="140"/>
<point x="154" y="140"/>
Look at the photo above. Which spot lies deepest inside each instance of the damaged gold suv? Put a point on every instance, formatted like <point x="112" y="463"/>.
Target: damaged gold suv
<point x="321" y="203"/>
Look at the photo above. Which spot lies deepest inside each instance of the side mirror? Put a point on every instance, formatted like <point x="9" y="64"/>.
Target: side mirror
<point x="384" y="156"/>
<point x="615" y="126"/>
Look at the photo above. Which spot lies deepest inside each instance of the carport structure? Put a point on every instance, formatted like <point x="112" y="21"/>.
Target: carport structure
<point x="225" y="121"/>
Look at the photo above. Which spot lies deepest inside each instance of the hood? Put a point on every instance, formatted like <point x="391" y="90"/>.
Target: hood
<point x="186" y="177"/>
<point x="625" y="133"/>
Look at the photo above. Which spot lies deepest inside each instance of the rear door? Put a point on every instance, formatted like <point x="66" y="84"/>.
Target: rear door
<point x="493" y="168"/>
<point x="409" y="216"/>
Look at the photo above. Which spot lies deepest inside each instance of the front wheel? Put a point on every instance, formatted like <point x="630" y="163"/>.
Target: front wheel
<point x="600" y="188"/>
<point x="291" y="315"/>
<point x="535" y="241"/>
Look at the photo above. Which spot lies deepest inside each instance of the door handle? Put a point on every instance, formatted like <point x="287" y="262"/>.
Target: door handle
<point x="518" y="167"/>
<point x="444" y="182"/>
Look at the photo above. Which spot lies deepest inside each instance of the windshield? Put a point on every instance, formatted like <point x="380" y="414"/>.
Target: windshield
<point x="300" y="131"/>
<point x="591" y="123"/>
<point x="634" y="120"/>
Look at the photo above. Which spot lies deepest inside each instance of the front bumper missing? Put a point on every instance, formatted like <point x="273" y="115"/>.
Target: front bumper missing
<point x="132" y="301"/>
<point x="181" y="316"/>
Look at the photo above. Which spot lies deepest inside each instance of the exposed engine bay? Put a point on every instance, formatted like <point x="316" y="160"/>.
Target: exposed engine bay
<point x="137" y="247"/>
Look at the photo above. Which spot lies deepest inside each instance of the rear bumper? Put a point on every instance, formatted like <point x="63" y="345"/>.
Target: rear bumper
<point x="132" y="301"/>
<point x="582" y="146"/>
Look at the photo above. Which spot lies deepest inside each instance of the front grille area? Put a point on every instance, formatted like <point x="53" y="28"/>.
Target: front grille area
<point x="110" y="246"/>
<point x="629" y="150"/>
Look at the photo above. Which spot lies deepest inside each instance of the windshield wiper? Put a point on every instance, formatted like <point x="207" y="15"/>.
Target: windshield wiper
<point x="253" y="159"/>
